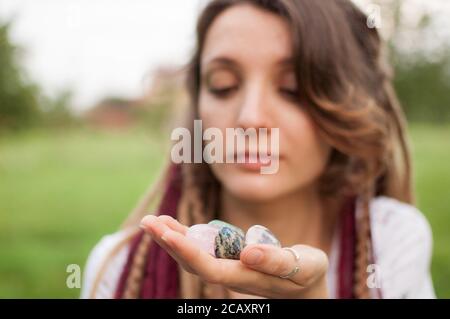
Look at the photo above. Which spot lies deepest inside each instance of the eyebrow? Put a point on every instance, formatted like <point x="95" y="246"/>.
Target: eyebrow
<point x="229" y="62"/>
<point x="223" y="61"/>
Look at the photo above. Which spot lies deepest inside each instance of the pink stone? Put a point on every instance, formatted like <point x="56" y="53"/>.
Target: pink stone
<point x="203" y="236"/>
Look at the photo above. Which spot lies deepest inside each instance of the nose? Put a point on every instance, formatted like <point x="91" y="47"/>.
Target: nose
<point x="253" y="112"/>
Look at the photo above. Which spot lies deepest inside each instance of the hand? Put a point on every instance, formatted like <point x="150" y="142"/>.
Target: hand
<point x="256" y="273"/>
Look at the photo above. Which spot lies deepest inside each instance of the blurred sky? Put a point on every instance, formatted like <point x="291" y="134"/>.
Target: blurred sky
<point x="104" y="47"/>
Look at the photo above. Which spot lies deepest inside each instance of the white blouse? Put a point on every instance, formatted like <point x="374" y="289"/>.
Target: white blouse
<point x="402" y="243"/>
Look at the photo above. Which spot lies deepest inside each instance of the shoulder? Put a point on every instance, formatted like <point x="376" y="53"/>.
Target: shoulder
<point x="401" y="220"/>
<point x="113" y="247"/>
<point x="402" y="240"/>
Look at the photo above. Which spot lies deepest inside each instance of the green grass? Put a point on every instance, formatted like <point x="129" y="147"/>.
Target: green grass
<point x="60" y="192"/>
<point x="431" y="153"/>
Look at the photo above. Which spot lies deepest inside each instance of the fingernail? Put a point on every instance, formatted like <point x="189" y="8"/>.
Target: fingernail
<point x="254" y="256"/>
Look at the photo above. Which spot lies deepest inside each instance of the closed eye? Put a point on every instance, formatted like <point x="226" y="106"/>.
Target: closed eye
<point x="290" y="93"/>
<point x="222" y="92"/>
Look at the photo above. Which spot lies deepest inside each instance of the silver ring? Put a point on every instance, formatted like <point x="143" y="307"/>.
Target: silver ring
<point x="296" y="268"/>
<point x="294" y="252"/>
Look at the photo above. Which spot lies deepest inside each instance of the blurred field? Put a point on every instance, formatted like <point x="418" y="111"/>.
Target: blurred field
<point x="60" y="192"/>
<point x="431" y="152"/>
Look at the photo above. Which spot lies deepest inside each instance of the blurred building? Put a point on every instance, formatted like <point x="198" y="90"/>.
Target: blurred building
<point x="164" y="98"/>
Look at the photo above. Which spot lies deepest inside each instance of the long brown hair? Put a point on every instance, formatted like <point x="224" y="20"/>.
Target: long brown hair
<point x="345" y="86"/>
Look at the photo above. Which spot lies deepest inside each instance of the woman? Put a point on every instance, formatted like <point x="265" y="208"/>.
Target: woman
<point x="342" y="199"/>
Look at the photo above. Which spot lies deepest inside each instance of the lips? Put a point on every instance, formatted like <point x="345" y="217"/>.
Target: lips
<point x="251" y="157"/>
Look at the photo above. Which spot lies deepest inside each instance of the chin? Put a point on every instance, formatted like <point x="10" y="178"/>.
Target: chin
<point x="253" y="186"/>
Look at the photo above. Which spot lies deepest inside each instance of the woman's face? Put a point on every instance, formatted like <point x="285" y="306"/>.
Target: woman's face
<point x="248" y="81"/>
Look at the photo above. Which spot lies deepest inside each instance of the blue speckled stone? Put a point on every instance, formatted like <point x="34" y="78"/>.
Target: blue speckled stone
<point x="220" y="224"/>
<point x="229" y="243"/>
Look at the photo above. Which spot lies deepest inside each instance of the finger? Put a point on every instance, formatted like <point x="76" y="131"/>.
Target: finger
<point x="147" y="223"/>
<point x="173" y="224"/>
<point x="156" y="229"/>
<point x="188" y="252"/>
<point x="313" y="263"/>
